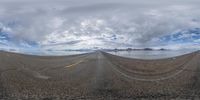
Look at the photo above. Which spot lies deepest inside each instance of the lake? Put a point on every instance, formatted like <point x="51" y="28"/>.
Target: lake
<point x="128" y="54"/>
<point x="151" y="54"/>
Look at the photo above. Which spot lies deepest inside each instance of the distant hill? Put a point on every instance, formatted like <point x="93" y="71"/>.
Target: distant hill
<point x="135" y="49"/>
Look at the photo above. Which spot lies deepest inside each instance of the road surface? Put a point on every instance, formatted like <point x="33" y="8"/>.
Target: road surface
<point x="98" y="76"/>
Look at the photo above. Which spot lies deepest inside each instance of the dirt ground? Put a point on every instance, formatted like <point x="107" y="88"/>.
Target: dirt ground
<point x="98" y="76"/>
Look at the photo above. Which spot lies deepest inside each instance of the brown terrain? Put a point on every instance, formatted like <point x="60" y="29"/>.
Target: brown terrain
<point x="98" y="76"/>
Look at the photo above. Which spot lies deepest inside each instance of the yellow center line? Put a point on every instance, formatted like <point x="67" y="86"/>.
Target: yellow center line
<point x="74" y="64"/>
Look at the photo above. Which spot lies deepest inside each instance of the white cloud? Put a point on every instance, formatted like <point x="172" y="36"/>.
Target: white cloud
<point x="197" y="40"/>
<point x="106" y="24"/>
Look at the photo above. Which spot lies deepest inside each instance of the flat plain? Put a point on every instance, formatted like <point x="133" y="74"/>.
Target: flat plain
<point x="98" y="76"/>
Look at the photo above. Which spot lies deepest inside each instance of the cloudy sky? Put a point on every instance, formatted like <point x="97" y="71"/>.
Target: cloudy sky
<point x="88" y="24"/>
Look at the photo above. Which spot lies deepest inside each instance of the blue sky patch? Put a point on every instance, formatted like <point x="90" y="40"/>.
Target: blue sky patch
<point x="183" y="36"/>
<point x="4" y="36"/>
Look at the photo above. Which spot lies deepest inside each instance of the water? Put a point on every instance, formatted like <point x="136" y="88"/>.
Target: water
<point x="128" y="54"/>
<point x="151" y="54"/>
<point x="56" y="53"/>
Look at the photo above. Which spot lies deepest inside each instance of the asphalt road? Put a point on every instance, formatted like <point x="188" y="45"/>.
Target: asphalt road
<point x="98" y="76"/>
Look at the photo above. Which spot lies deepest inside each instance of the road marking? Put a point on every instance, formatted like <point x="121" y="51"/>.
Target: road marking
<point x="156" y="79"/>
<point x="74" y="64"/>
<point x="80" y="61"/>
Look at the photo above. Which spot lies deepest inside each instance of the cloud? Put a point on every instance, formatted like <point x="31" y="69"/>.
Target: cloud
<point x="182" y="36"/>
<point x="104" y="24"/>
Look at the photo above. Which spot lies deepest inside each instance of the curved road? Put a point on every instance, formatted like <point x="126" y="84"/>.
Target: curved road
<point x="98" y="76"/>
